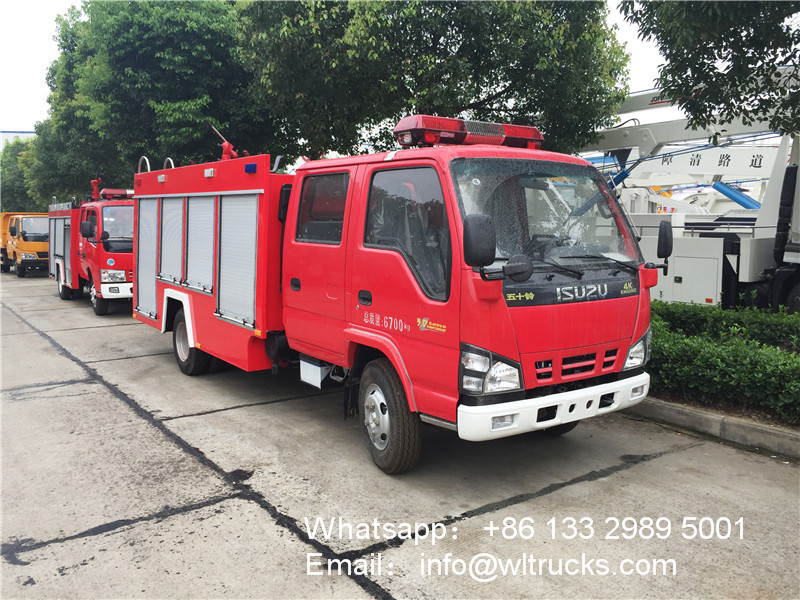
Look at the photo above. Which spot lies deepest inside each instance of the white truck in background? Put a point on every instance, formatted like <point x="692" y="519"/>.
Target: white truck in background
<point x="729" y="248"/>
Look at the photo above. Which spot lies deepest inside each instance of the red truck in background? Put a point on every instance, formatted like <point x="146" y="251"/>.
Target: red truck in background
<point x="475" y="282"/>
<point x="91" y="245"/>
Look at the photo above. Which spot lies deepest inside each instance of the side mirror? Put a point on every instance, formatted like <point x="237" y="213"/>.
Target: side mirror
<point x="23" y="235"/>
<point x="87" y="230"/>
<point x="104" y="236"/>
<point x="664" y="249"/>
<point x="12" y="231"/>
<point x="283" y="202"/>
<point x="480" y="240"/>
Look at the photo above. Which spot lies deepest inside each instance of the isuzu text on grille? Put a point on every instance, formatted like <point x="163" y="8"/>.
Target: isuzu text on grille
<point x="582" y="292"/>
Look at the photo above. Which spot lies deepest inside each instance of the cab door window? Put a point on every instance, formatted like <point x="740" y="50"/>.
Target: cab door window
<point x="91" y="217"/>
<point x="322" y="207"/>
<point x="406" y="213"/>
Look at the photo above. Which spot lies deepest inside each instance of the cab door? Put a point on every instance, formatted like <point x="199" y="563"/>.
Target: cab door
<point x="87" y="247"/>
<point x="402" y="281"/>
<point x="314" y="257"/>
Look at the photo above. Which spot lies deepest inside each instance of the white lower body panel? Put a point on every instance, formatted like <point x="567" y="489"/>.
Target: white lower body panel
<point x="480" y="423"/>
<point x="116" y="291"/>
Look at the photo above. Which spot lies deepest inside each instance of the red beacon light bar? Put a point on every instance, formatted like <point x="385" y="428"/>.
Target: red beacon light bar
<point x="426" y="130"/>
<point x="115" y="194"/>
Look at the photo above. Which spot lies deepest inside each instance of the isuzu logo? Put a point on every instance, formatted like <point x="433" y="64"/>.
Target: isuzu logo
<point x="576" y="293"/>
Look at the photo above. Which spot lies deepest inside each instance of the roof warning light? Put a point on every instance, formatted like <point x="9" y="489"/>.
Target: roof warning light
<point x="426" y="130"/>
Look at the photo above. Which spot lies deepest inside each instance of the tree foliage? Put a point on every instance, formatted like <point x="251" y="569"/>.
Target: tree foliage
<point x="140" y="78"/>
<point x="343" y="71"/>
<point x="159" y="70"/>
<point x="727" y="60"/>
<point x="13" y="194"/>
<point x="143" y="78"/>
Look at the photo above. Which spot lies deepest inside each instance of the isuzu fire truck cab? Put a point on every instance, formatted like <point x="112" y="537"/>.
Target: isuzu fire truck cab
<point x="476" y="283"/>
<point x="91" y="245"/>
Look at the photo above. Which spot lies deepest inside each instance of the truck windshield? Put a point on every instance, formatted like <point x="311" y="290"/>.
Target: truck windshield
<point x="553" y="212"/>
<point x="35" y="229"/>
<point x="118" y="224"/>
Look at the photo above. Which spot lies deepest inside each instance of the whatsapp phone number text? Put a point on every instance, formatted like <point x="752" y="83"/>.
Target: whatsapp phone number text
<point x="617" y="528"/>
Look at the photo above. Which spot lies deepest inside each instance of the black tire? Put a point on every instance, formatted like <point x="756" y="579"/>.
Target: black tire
<point x="558" y="430"/>
<point x="793" y="300"/>
<point x="100" y="305"/>
<point x="392" y="430"/>
<point x="21" y="271"/>
<point x="64" y="292"/>
<point x="4" y="268"/>
<point x="190" y="360"/>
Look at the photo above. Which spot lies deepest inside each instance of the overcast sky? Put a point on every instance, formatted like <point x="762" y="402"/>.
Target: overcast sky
<point x="27" y="48"/>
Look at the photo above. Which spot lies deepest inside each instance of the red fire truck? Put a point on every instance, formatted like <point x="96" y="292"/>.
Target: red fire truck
<point x="91" y="245"/>
<point x="474" y="282"/>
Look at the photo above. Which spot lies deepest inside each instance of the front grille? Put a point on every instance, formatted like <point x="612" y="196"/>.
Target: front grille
<point x="573" y="365"/>
<point x="41" y="254"/>
<point x="568" y="367"/>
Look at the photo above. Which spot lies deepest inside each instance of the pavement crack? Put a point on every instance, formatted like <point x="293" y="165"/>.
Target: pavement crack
<point x="10" y="551"/>
<point x="628" y="462"/>
<point x="107" y="360"/>
<point x="50" y="385"/>
<point x="238" y="406"/>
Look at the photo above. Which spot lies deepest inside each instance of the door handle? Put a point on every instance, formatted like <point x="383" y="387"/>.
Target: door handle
<point x="295" y="284"/>
<point x="365" y="297"/>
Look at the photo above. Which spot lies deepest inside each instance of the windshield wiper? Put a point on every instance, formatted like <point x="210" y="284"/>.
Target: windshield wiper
<point x="625" y="265"/>
<point x="572" y="272"/>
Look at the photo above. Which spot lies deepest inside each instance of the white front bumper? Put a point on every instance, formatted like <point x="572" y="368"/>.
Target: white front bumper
<point x="475" y="422"/>
<point x="114" y="291"/>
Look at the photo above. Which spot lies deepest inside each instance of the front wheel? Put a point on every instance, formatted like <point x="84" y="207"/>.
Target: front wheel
<point x="557" y="430"/>
<point x="392" y="430"/>
<point x="21" y="271"/>
<point x="100" y="305"/>
<point x="191" y="361"/>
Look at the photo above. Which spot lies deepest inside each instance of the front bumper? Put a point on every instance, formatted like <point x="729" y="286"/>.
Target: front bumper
<point x="34" y="264"/>
<point x="475" y="422"/>
<point x="116" y="291"/>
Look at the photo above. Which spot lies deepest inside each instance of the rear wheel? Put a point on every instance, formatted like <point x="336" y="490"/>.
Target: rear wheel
<point x="793" y="300"/>
<point x="557" y="430"/>
<point x="5" y="267"/>
<point x="392" y="430"/>
<point x="191" y="361"/>
<point x="100" y="305"/>
<point x="64" y="292"/>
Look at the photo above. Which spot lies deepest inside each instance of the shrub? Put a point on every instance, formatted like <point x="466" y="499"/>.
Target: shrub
<point x="781" y="330"/>
<point x="728" y="367"/>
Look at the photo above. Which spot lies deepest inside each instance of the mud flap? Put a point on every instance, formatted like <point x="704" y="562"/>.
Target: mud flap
<point x="351" y="386"/>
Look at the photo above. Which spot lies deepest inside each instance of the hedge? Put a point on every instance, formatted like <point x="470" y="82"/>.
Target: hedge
<point x="725" y="362"/>
<point x="781" y="330"/>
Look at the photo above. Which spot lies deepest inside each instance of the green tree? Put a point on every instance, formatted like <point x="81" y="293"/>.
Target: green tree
<point x="67" y="152"/>
<point x="727" y="60"/>
<point x="157" y="71"/>
<point x="13" y="193"/>
<point x="345" y="72"/>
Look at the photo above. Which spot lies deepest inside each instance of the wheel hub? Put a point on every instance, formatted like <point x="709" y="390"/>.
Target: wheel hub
<point x="376" y="417"/>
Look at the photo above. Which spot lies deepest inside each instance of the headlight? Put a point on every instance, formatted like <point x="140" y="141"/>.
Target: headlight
<point x="482" y="372"/>
<point x="502" y="377"/>
<point x="112" y="276"/>
<point x="28" y="256"/>
<point x="639" y="353"/>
